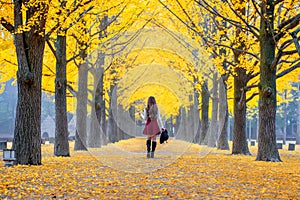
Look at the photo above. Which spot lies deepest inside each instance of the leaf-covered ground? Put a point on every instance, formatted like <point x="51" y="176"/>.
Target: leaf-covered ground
<point x="180" y="170"/>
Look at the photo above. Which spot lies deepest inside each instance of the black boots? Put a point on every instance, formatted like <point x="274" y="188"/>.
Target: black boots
<point x="148" y="143"/>
<point x="150" y="154"/>
<point x="153" y="149"/>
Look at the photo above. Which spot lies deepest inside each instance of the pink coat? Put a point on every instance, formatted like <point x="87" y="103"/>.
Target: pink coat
<point x="152" y="127"/>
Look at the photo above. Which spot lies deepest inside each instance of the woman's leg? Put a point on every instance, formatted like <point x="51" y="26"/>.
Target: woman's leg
<point x="153" y="146"/>
<point x="148" y="143"/>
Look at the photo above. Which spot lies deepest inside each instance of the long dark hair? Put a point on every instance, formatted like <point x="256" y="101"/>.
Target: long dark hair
<point x="151" y="102"/>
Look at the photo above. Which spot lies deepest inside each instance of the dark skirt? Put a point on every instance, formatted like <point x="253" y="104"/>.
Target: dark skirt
<point x="151" y="128"/>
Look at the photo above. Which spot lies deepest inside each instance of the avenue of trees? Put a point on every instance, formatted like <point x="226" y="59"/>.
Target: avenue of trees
<point x="209" y="59"/>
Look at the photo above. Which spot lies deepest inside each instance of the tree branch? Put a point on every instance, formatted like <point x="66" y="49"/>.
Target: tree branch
<point x="188" y="26"/>
<point x="78" y="5"/>
<point x="214" y="12"/>
<point x="186" y="14"/>
<point x="296" y="40"/>
<point x="49" y="69"/>
<point x="253" y="75"/>
<point x="247" y="88"/>
<point x="240" y="50"/>
<point x="277" y="2"/>
<point x="79" y="17"/>
<point x="252" y="29"/>
<point x="8" y="26"/>
<point x="110" y="22"/>
<point x="281" y="74"/>
<point x="10" y="62"/>
<point x="51" y="48"/>
<point x="289" y="61"/>
<point x="289" y="24"/>
<point x="252" y="96"/>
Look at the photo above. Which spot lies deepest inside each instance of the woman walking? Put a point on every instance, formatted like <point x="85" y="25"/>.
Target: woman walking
<point x="153" y="125"/>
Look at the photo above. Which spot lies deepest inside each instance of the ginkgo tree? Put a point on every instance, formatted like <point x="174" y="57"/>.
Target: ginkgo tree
<point x="226" y="49"/>
<point x="245" y="18"/>
<point x="66" y="15"/>
<point x="107" y="37"/>
<point x="269" y="59"/>
<point x="231" y="32"/>
<point x="28" y="28"/>
<point x="93" y="28"/>
<point x="199" y="29"/>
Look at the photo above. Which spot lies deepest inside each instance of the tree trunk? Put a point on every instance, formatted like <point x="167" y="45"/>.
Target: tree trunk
<point x="239" y="142"/>
<point x="196" y="117"/>
<point x="298" y="116"/>
<point x="183" y="124"/>
<point x="123" y="124"/>
<point x="204" y="113"/>
<point x="214" y="116"/>
<point x="267" y="150"/>
<point x="177" y="125"/>
<point x="30" y="51"/>
<point x="249" y="129"/>
<point x="81" y="111"/>
<point x="191" y="123"/>
<point x="112" y="125"/>
<point x="187" y="122"/>
<point x="284" y="122"/>
<point x="257" y="127"/>
<point x="190" y="129"/>
<point x="223" y="116"/>
<point x="132" y="120"/>
<point x="94" y="135"/>
<point x="99" y="97"/>
<point x="61" y="144"/>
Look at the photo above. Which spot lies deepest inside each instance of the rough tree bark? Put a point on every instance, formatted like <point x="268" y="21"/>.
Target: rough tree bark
<point x="99" y="94"/>
<point x="99" y="98"/>
<point x="30" y="51"/>
<point x="183" y="124"/>
<point x="204" y="113"/>
<point x="214" y="116"/>
<point x="222" y="142"/>
<point x="186" y="132"/>
<point x="177" y="125"/>
<point x="267" y="150"/>
<point x="239" y="142"/>
<point x="61" y="144"/>
<point x="112" y="127"/>
<point x="94" y="135"/>
<point x="81" y="111"/>
<point x="284" y="131"/>
<point x="298" y="116"/>
<point x="196" y="117"/>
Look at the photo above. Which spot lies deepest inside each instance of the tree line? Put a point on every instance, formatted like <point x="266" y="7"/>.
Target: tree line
<point x="231" y="33"/>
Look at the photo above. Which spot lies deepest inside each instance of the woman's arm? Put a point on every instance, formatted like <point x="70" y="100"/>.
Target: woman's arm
<point x="160" y="123"/>
<point x="144" y="116"/>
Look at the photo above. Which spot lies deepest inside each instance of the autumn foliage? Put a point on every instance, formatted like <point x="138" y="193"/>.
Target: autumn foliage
<point x="180" y="170"/>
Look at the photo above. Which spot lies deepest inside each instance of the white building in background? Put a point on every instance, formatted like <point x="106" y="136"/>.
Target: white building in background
<point x="48" y="125"/>
<point x="72" y="126"/>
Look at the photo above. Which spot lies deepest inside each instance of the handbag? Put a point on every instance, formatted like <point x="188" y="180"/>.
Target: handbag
<point x="164" y="136"/>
